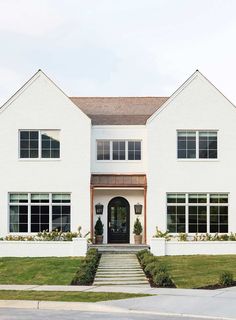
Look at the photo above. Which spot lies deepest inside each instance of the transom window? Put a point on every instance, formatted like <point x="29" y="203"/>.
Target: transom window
<point x="119" y="150"/>
<point x="36" y="212"/>
<point x="39" y="144"/>
<point x="197" y="212"/>
<point x="197" y="144"/>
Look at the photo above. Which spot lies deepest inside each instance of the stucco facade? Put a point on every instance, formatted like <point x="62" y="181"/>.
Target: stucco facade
<point x="40" y="105"/>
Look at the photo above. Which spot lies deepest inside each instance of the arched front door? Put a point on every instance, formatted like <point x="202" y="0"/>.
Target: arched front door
<point x="118" y="220"/>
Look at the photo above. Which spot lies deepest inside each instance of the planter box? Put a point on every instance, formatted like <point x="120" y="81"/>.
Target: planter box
<point x="76" y="247"/>
<point x="161" y="247"/>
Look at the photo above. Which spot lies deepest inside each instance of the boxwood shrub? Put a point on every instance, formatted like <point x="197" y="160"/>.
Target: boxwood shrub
<point x="155" y="271"/>
<point x="87" y="269"/>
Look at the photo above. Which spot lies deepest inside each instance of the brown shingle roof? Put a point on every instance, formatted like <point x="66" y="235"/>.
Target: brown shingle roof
<point x="119" y="110"/>
<point x="118" y="180"/>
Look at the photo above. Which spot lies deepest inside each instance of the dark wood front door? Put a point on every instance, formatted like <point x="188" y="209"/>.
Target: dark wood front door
<point x="118" y="220"/>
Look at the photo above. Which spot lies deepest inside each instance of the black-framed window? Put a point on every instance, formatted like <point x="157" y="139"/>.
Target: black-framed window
<point x="197" y="212"/>
<point x="36" y="144"/>
<point x="198" y="144"/>
<point x="186" y="144"/>
<point x="134" y="150"/>
<point x="29" y="144"/>
<point x="119" y="150"/>
<point x="50" y="144"/>
<point x="32" y="212"/>
<point x="208" y="144"/>
<point x="219" y="213"/>
<point x="103" y="150"/>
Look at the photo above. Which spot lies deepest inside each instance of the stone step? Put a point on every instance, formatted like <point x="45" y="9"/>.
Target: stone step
<point x="119" y="269"/>
<point x="120" y="283"/>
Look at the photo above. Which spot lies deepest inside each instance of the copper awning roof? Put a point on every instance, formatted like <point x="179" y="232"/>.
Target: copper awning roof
<point x="118" y="180"/>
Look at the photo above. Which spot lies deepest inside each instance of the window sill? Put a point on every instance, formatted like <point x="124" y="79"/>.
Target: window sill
<point x="198" y="160"/>
<point x="38" y="159"/>
<point x="118" y="161"/>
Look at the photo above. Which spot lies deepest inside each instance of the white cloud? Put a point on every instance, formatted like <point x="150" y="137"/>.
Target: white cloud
<point x="29" y="17"/>
<point x="125" y="47"/>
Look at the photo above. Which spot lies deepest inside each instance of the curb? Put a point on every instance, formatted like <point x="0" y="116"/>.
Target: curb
<point x="93" y="307"/>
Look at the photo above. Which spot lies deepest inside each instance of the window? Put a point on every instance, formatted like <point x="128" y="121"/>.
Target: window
<point x="119" y="150"/>
<point x="134" y="150"/>
<point x="208" y="144"/>
<point x="50" y="144"/>
<point x="29" y="144"/>
<point x="103" y="150"/>
<point x="197" y="144"/>
<point x="219" y="213"/>
<point x="35" y="212"/>
<point x="39" y="144"/>
<point x="186" y="144"/>
<point x="197" y="213"/>
<point x="176" y="213"/>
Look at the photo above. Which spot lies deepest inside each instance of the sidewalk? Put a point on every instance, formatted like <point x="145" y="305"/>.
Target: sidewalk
<point x="205" y="304"/>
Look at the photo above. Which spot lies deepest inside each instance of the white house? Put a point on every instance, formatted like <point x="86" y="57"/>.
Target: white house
<point x="64" y="159"/>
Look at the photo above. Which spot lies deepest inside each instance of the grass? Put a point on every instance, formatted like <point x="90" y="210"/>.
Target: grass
<point x="198" y="271"/>
<point x="50" y="271"/>
<point x="66" y="296"/>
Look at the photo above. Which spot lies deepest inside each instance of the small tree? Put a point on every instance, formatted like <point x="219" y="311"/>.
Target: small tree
<point x="137" y="227"/>
<point x="98" y="227"/>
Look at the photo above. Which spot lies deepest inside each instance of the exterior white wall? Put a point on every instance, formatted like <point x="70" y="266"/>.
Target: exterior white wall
<point x="161" y="247"/>
<point x="198" y="106"/>
<point x="43" y="106"/>
<point x="104" y="197"/>
<point x="75" y="248"/>
<point x="118" y="133"/>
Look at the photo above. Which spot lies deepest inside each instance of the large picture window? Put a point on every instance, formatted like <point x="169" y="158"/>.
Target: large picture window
<point x="197" y="144"/>
<point x="197" y="213"/>
<point x="36" y="212"/>
<point x="39" y="144"/>
<point x="119" y="150"/>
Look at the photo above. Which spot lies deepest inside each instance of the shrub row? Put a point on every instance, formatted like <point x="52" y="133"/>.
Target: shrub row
<point x="154" y="270"/>
<point x="87" y="269"/>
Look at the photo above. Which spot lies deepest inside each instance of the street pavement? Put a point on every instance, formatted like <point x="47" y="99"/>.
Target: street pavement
<point x="24" y="314"/>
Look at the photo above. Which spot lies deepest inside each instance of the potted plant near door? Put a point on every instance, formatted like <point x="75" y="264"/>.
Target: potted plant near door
<point x="138" y="229"/>
<point x="98" y="231"/>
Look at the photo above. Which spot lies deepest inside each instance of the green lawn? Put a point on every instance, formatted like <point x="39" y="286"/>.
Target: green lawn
<point x="54" y="271"/>
<point x="66" y="296"/>
<point x="198" y="271"/>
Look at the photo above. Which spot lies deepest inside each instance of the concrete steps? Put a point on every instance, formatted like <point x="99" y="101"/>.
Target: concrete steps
<point x="119" y="248"/>
<point x="119" y="269"/>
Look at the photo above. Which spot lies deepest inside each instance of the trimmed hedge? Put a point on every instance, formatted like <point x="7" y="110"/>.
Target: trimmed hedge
<point x="87" y="269"/>
<point x="155" y="271"/>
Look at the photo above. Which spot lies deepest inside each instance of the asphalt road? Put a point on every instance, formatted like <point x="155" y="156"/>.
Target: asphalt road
<point x="26" y="314"/>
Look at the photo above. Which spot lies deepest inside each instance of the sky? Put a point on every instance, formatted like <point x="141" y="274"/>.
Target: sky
<point x="117" y="47"/>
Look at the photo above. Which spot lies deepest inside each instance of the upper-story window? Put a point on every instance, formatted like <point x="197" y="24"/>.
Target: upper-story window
<point x="197" y="144"/>
<point x="39" y="144"/>
<point x="118" y="150"/>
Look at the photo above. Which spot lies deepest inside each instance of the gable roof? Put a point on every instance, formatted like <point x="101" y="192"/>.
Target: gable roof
<point x="196" y="74"/>
<point x="119" y="110"/>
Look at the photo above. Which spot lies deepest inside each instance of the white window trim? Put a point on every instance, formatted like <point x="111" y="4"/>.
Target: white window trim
<point x="126" y="151"/>
<point x="197" y="147"/>
<point x="28" y="204"/>
<point x="208" y="204"/>
<point x="39" y="146"/>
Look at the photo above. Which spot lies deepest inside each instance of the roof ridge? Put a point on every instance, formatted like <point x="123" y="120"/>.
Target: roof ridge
<point x="105" y="97"/>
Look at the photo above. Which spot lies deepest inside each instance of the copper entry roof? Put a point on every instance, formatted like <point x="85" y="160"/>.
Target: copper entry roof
<point x="118" y="180"/>
<point x="119" y="110"/>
